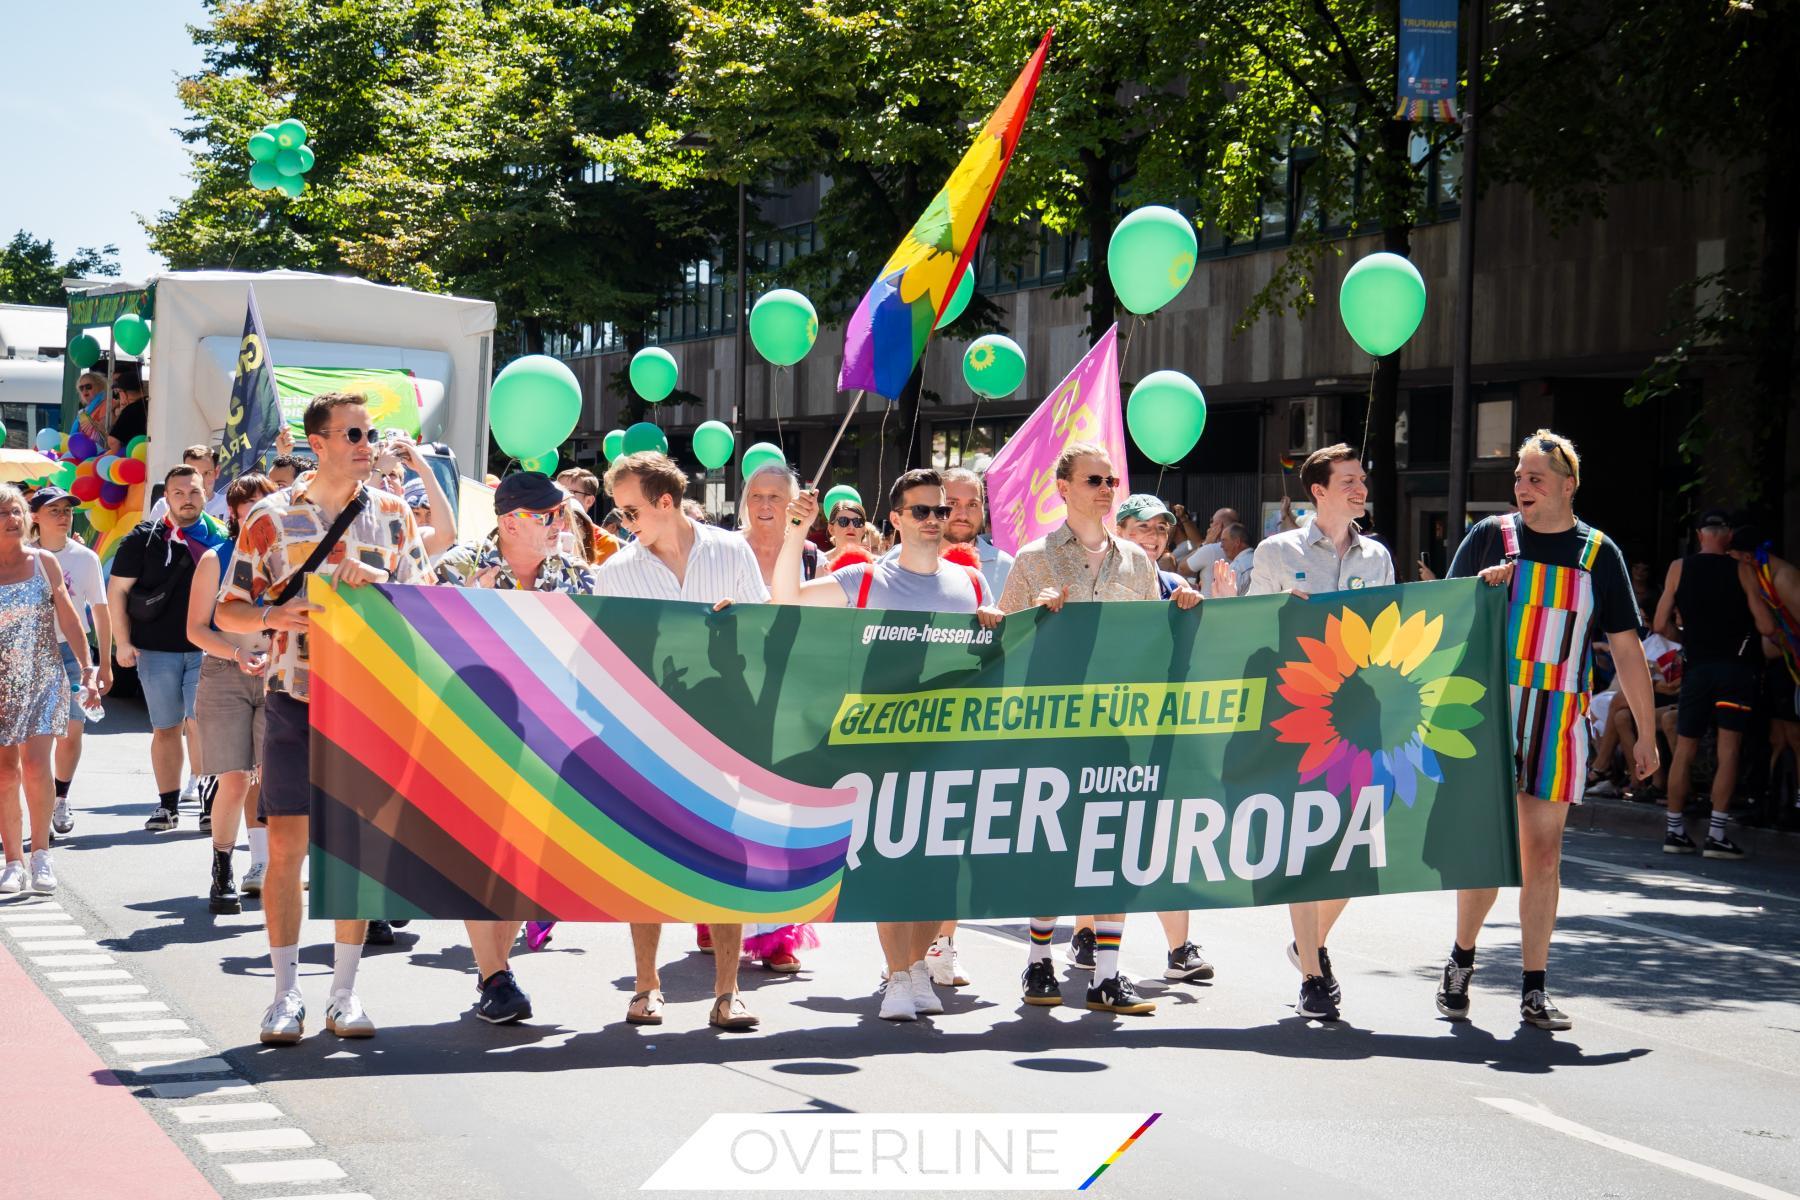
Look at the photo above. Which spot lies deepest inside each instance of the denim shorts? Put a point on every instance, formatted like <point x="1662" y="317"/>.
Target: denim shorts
<point x="169" y="679"/>
<point x="72" y="669"/>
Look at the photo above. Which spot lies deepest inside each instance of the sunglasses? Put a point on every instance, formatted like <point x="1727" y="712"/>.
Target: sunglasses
<point x="353" y="435"/>
<point x="1094" y="481"/>
<point x="921" y="512"/>
<point x="543" y="518"/>
<point x="1546" y="446"/>
<point x="627" y="513"/>
<point x="856" y="522"/>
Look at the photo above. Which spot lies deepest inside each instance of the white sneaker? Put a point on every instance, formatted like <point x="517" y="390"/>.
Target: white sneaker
<point x="285" y="1021"/>
<point x="43" y="875"/>
<point x="251" y="883"/>
<point x="62" y="817"/>
<point x="926" y="1001"/>
<point x="12" y="877"/>
<point x="897" y="998"/>
<point x="946" y="964"/>
<point x="345" y="1017"/>
<point x="190" y="790"/>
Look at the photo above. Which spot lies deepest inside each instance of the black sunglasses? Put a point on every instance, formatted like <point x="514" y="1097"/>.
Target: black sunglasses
<point x="921" y="511"/>
<point x="851" y="522"/>
<point x="354" y="435"/>
<point x="1094" y="481"/>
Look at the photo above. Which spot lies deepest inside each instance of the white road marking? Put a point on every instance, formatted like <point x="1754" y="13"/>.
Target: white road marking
<point x="88" y="976"/>
<point x="160" y="1046"/>
<point x="240" y="1140"/>
<point x="72" y="960"/>
<point x="193" y="1089"/>
<point x="1549" y="1120"/>
<point x="166" y="1025"/>
<point x="43" y="912"/>
<point x="1692" y="883"/>
<point x="215" y="1114"/>
<point x="180" y="1066"/>
<point x="27" y="933"/>
<point x="332" y="1196"/>
<point x="108" y="989"/>
<point x="294" y="1170"/>
<point x="122" y="1006"/>
<point x="87" y="946"/>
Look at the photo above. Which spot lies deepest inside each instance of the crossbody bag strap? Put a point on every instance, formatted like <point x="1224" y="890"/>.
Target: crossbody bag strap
<point x="332" y="537"/>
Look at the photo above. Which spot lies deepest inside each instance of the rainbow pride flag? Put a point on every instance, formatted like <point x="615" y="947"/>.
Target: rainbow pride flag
<point x="887" y="334"/>
<point x="495" y="753"/>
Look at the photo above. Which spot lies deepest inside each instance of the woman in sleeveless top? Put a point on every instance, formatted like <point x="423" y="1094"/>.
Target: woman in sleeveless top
<point x="34" y="692"/>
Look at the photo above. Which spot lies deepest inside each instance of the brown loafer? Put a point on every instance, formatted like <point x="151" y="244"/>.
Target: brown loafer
<point x="728" y="1012"/>
<point x="645" y="1008"/>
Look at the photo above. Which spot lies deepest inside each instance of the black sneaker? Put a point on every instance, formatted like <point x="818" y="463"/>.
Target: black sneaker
<point x="1538" y="1009"/>
<point x="1040" y="984"/>
<point x="1187" y="964"/>
<point x="1721" y="848"/>
<point x="502" y="1003"/>
<point x="1315" y="1002"/>
<point x="1331" y="983"/>
<point x="162" y="820"/>
<point x="381" y="933"/>
<point x="1678" y="843"/>
<point x="1453" y="992"/>
<point x="1081" y="950"/>
<point x="1116" y="995"/>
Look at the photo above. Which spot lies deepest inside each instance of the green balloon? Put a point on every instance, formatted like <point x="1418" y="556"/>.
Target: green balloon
<point x="289" y="134"/>
<point x="761" y="455"/>
<point x="784" y="326"/>
<point x="713" y="444"/>
<point x="264" y="176"/>
<point x="291" y="185"/>
<point x="84" y="351"/>
<point x="1151" y="257"/>
<point x="306" y="158"/>
<point x="613" y="444"/>
<point x="64" y="476"/>
<point x="287" y="162"/>
<point x="994" y="366"/>
<point x="534" y="405"/>
<point x="1382" y="301"/>
<point x="645" y="436"/>
<point x="959" y="299"/>
<point x="1166" y="415"/>
<point x="653" y="373"/>
<point x="131" y="334"/>
<point x="837" y="495"/>
<point x="262" y="146"/>
<point x="543" y="464"/>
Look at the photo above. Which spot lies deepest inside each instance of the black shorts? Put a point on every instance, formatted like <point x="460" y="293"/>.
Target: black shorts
<point x="1720" y="692"/>
<point x="286" y="758"/>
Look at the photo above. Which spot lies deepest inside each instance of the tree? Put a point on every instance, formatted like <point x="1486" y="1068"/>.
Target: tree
<point x="30" y="274"/>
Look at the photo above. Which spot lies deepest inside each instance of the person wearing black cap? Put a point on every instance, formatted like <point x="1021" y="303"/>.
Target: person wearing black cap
<point x="521" y="554"/>
<point x="1712" y="598"/>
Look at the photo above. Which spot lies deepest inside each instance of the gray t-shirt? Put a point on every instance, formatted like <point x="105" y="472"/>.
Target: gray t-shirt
<point x="951" y="590"/>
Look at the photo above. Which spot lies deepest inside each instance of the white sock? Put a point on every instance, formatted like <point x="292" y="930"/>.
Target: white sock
<point x="286" y="961"/>
<point x="259" y="845"/>
<point x="344" y="957"/>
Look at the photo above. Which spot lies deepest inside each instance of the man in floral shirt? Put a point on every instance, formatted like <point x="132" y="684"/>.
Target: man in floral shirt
<point x="266" y="591"/>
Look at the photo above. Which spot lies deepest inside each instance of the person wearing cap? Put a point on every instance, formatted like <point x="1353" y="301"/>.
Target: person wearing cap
<point x="522" y="553"/>
<point x="1712" y="598"/>
<point x="53" y="513"/>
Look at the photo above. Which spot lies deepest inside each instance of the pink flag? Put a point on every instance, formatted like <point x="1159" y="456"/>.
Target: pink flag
<point x="1021" y="481"/>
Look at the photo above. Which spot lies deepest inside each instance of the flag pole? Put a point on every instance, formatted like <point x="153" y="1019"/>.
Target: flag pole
<point x="832" y="449"/>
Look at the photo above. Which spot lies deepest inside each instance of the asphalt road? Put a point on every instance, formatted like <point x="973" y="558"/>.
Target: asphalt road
<point x="1680" y="1078"/>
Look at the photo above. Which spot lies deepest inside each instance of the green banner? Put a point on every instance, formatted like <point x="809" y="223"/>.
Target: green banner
<point x="393" y="396"/>
<point x="536" y="755"/>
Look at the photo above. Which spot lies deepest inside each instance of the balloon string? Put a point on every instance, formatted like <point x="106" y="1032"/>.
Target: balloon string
<point x="881" y="448"/>
<point x="1137" y="323"/>
<point x="775" y="403"/>
<point x="918" y="401"/>
<point x="1160" y="468"/>
<point x="1369" y="410"/>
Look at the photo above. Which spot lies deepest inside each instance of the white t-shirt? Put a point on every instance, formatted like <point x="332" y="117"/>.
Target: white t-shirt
<point x="86" y="584"/>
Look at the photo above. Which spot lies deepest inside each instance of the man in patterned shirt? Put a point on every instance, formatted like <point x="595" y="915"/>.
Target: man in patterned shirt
<point x="267" y="591"/>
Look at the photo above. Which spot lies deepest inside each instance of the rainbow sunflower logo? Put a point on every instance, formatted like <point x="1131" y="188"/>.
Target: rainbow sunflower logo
<point x="1377" y="703"/>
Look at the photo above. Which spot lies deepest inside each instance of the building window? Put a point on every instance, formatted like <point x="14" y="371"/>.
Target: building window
<point x="1494" y="428"/>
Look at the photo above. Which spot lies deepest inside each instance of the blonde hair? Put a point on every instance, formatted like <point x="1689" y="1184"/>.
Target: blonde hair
<point x="1065" y="462"/>
<point x="582" y="526"/>
<point x="12" y="495"/>
<point x="1564" y="459"/>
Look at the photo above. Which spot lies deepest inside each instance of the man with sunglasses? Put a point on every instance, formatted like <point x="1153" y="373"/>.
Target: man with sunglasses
<point x="1082" y="561"/>
<point x="674" y="557"/>
<point x="276" y="549"/>
<point x="914" y="580"/>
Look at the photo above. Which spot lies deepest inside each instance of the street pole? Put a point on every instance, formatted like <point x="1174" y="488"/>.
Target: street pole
<point x="741" y="331"/>
<point x="1462" y="367"/>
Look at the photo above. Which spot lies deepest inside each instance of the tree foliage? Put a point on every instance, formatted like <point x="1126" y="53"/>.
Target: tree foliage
<point x="30" y="274"/>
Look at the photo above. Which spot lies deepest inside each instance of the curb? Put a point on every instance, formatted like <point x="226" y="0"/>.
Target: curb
<point x="1646" y="820"/>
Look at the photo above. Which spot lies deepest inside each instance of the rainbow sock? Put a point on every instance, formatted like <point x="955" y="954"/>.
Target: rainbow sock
<point x="1041" y="931"/>
<point x="1107" y="935"/>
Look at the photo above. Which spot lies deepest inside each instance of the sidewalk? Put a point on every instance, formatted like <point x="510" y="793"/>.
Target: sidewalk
<point x="76" y="1130"/>
<point x="1645" y="821"/>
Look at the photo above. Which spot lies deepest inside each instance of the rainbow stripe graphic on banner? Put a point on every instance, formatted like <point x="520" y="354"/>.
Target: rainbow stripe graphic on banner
<point x="492" y="751"/>
<point x="1119" y="1153"/>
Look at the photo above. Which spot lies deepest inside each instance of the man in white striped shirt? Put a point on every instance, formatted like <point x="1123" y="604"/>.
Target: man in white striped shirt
<point x="675" y="558"/>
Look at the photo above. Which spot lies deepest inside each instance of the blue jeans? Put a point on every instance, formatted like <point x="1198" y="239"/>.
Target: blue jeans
<point x="169" y="679"/>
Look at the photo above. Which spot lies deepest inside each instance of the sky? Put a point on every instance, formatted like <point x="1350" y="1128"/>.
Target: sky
<point x="88" y="109"/>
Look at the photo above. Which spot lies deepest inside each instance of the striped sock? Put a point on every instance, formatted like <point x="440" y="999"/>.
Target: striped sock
<point x="1106" y="948"/>
<point x="1677" y="823"/>
<point x="1716" y="831"/>
<point x="1041" y="930"/>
